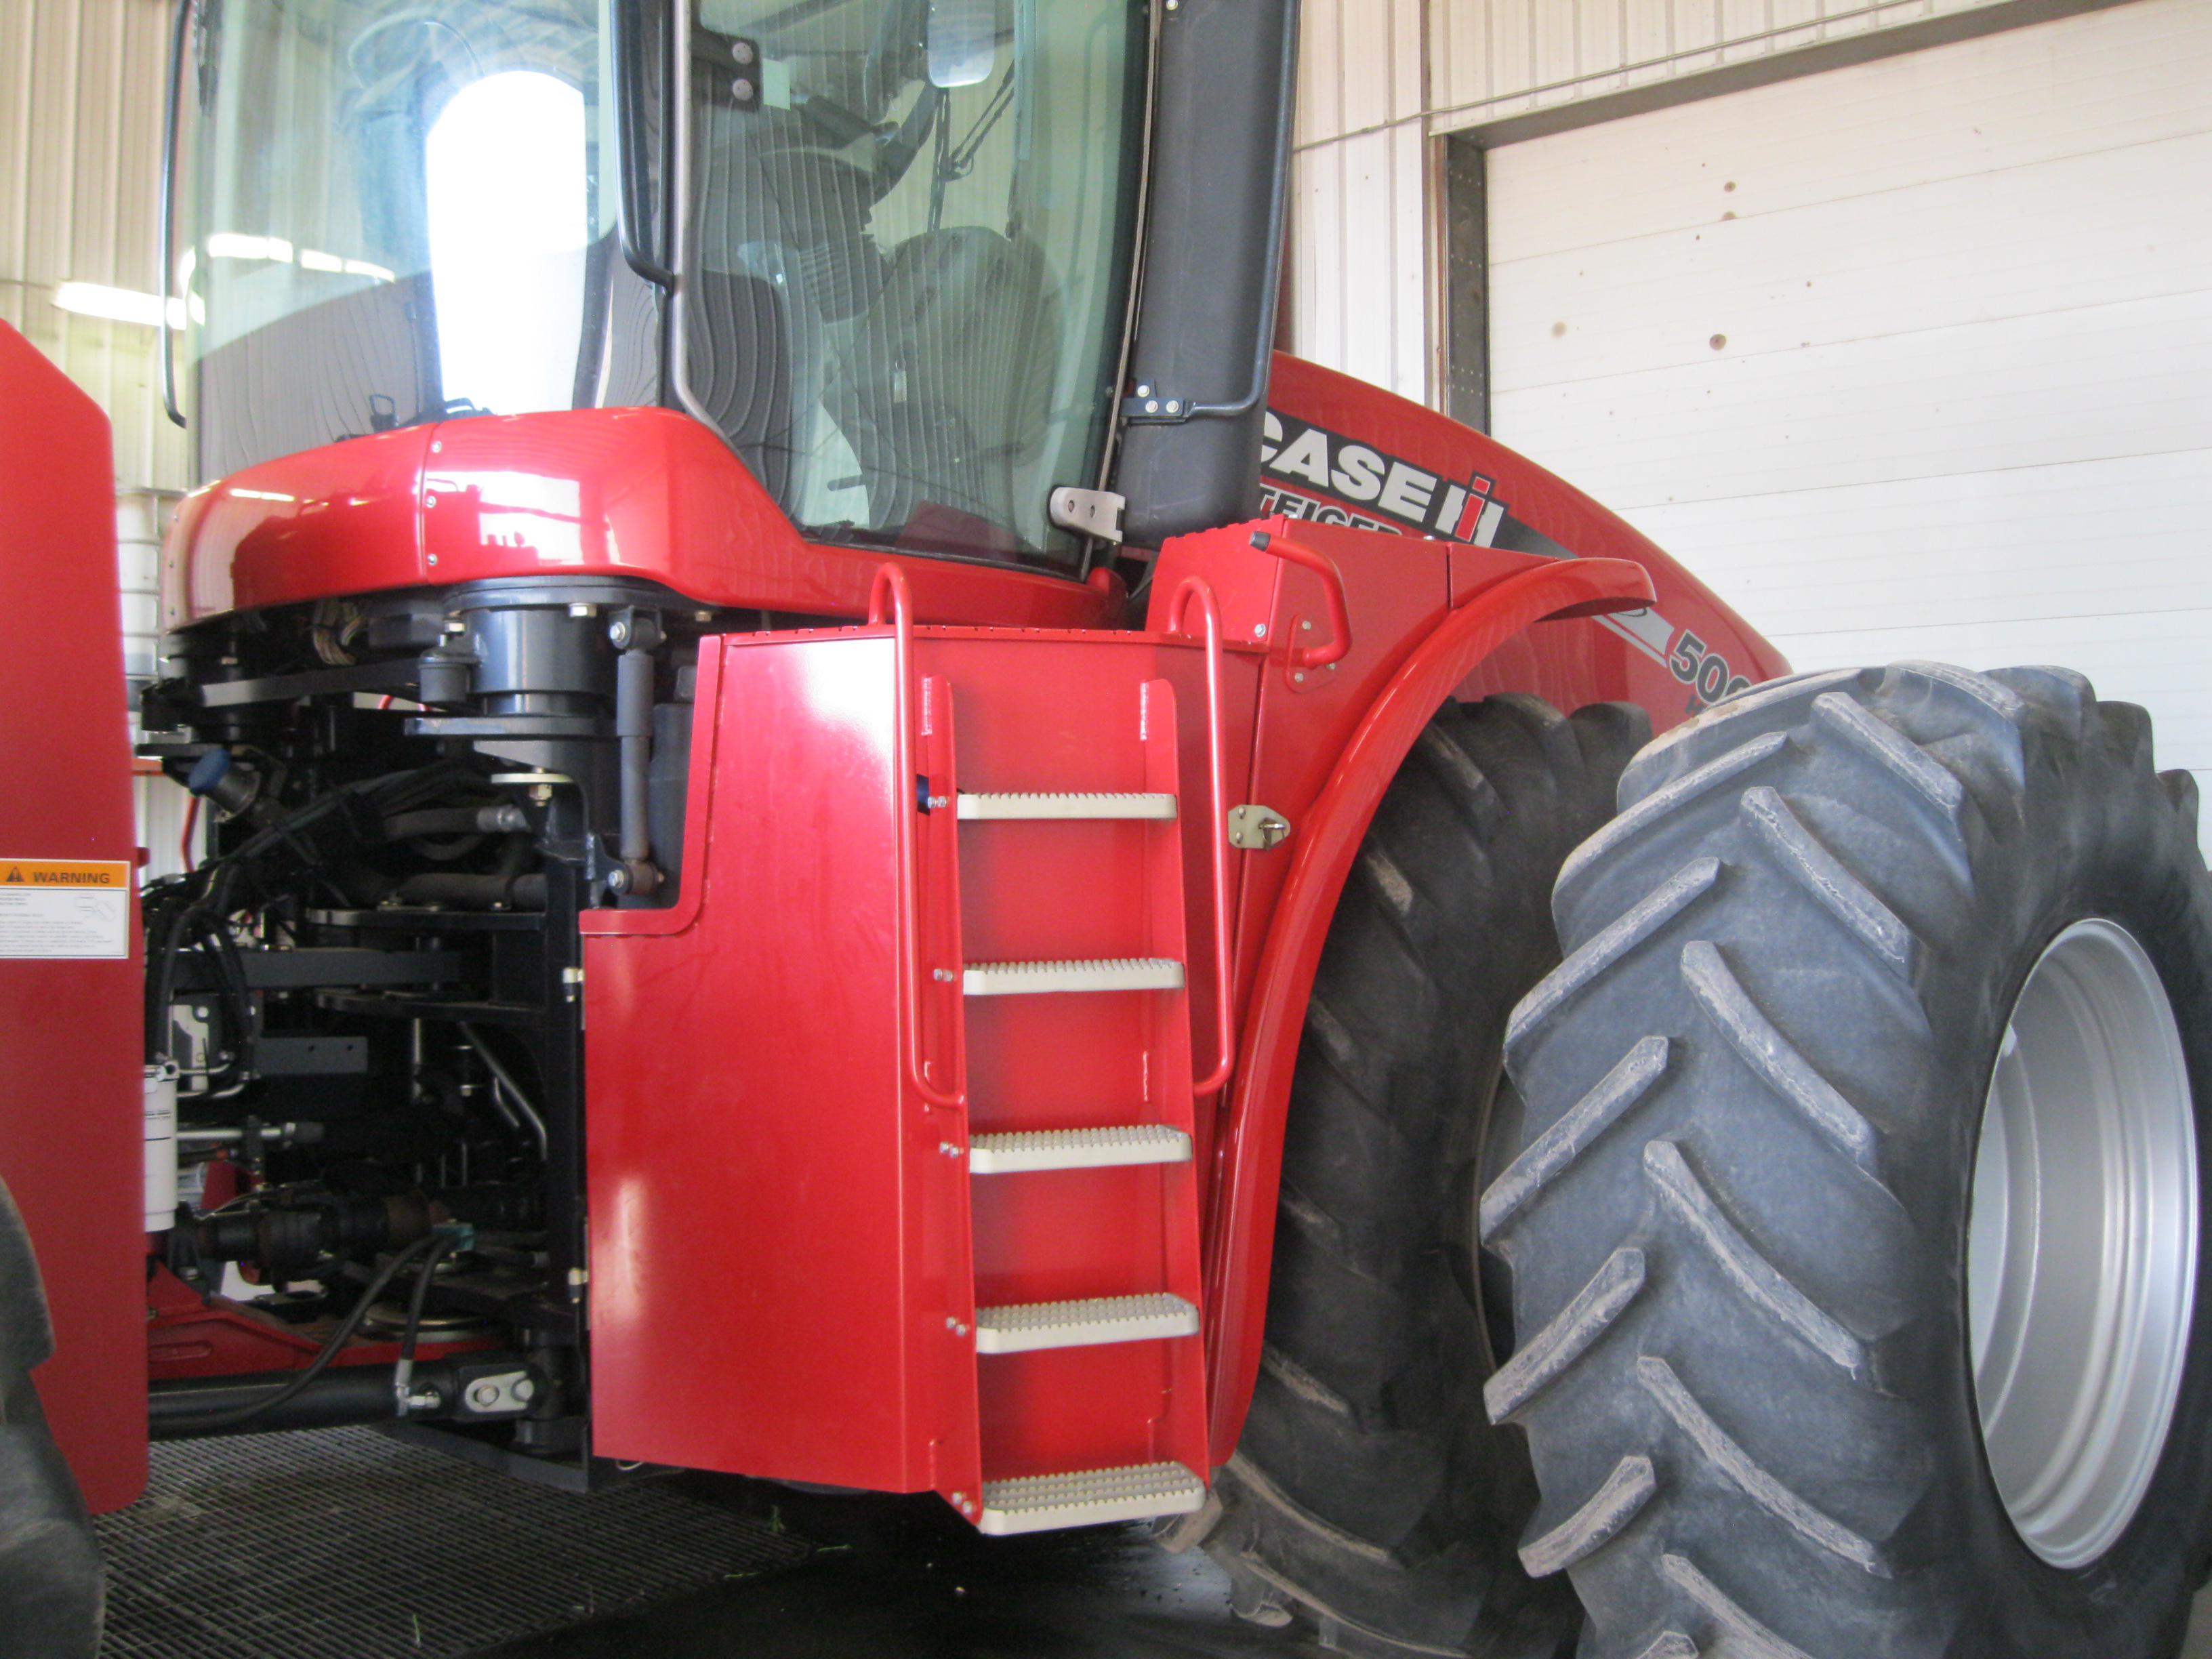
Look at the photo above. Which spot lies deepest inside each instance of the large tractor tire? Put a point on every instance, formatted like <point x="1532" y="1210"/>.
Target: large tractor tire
<point x="1369" y="1497"/>
<point x="1856" y="1240"/>
<point x="51" y="1587"/>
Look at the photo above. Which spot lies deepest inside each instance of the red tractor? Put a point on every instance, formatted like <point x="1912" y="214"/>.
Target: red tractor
<point x="850" y="841"/>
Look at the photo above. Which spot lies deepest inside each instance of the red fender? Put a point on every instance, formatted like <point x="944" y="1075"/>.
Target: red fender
<point x="1249" y="1160"/>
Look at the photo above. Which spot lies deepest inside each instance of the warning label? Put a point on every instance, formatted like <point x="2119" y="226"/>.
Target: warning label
<point x="60" y="909"/>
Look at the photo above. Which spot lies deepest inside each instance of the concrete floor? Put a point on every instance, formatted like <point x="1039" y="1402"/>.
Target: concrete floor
<point x="1102" y="1595"/>
<point x="345" y="1544"/>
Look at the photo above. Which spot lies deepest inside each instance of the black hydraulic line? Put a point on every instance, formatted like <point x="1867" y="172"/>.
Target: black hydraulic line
<point x="506" y="1079"/>
<point x="270" y="1400"/>
<point x="343" y="1395"/>
<point x="203" y="898"/>
<point x="629" y="144"/>
<point x="477" y="892"/>
<point x="179" y="34"/>
<point x="402" y="1373"/>
<point x="634" y="732"/>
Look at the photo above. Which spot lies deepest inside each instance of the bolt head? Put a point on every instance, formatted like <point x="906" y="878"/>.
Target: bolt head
<point x="483" y="1395"/>
<point x="526" y="1390"/>
<point x="1175" y="406"/>
<point x="1298" y="678"/>
<point x="1144" y="392"/>
<point x="432" y="559"/>
<point x="742" y="52"/>
<point x="1259" y="630"/>
<point x="1152" y="405"/>
<point x="742" y="89"/>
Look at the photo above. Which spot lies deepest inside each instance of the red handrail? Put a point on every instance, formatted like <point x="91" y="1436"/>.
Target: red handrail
<point x="1218" y="831"/>
<point x="891" y="578"/>
<point x="1340" y="619"/>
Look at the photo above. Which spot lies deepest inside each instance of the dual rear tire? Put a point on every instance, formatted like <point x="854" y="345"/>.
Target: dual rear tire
<point x="1856" y="1237"/>
<point x="1847" y="1184"/>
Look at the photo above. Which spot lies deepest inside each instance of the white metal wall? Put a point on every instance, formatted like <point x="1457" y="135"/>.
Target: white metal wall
<point x="1381" y="78"/>
<point x="1908" y="358"/>
<point x="1496" y="58"/>
<point x="80" y="144"/>
<point x="80" y="137"/>
<point x="1359" y="266"/>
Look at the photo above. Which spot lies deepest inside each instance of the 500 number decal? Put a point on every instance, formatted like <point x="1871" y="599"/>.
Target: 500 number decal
<point x="1704" y="670"/>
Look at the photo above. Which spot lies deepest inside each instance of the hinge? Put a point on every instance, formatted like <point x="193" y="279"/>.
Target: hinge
<point x="1088" y="511"/>
<point x="1256" y="829"/>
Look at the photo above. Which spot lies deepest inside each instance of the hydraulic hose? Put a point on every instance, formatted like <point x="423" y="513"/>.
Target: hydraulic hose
<point x="336" y="1339"/>
<point x="402" y="1373"/>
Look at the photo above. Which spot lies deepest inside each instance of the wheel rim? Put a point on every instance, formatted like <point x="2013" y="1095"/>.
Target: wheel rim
<point x="2081" y="1242"/>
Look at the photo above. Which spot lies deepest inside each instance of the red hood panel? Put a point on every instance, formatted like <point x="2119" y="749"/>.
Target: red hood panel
<point x="645" y="493"/>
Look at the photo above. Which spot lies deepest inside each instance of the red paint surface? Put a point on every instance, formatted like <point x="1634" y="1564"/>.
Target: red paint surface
<point x="643" y="493"/>
<point x="757" y="1146"/>
<point x="69" y="1031"/>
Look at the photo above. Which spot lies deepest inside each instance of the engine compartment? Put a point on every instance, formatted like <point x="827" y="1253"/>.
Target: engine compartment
<point x="366" y="997"/>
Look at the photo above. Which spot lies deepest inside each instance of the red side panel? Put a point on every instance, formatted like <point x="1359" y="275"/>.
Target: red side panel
<point x="644" y="493"/>
<point x="786" y="1255"/>
<point x="69" y="1038"/>
<point x="772" y="1287"/>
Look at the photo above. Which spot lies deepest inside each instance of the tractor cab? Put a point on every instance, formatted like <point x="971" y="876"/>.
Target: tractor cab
<point x="905" y="233"/>
<point x="884" y="250"/>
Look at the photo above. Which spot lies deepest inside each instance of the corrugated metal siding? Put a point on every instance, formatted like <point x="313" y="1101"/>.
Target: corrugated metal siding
<point x="1380" y="79"/>
<point x="1359" y="275"/>
<point x="1909" y="359"/>
<point x="80" y="142"/>
<point x="1494" y="58"/>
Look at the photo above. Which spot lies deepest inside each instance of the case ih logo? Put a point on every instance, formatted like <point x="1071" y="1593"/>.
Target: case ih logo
<point x="1314" y="464"/>
<point x="1307" y="472"/>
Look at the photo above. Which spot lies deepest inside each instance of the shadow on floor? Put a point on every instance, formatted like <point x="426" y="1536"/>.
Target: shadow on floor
<point x="903" y="1578"/>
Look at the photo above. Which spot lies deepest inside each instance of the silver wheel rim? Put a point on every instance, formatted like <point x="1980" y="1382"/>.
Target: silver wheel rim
<point x="2081" y="1242"/>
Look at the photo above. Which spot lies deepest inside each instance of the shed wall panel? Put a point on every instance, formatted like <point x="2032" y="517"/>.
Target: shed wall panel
<point x="1912" y="358"/>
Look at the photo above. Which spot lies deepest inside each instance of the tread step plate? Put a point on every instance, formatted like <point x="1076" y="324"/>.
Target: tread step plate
<point x="1013" y="979"/>
<point x="1023" y="1327"/>
<point x="1159" y="807"/>
<point x="1076" y="1149"/>
<point x="1088" y="1498"/>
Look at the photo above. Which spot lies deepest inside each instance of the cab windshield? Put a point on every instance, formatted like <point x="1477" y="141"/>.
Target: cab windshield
<point x="902" y="231"/>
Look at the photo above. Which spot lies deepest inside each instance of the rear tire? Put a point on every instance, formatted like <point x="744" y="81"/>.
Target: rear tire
<point x="1758" y="1279"/>
<point x="1369" y="1497"/>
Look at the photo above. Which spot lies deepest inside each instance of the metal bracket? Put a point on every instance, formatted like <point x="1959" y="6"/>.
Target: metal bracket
<point x="1256" y="829"/>
<point x="1088" y="511"/>
<point x="1156" y="408"/>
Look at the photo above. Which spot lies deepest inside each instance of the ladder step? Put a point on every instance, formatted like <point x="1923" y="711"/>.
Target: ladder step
<point x="1088" y="1498"/>
<point x="1012" y="979"/>
<point x="1076" y="1149"/>
<point x="1029" y="1325"/>
<point x="1162" y="807"/>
